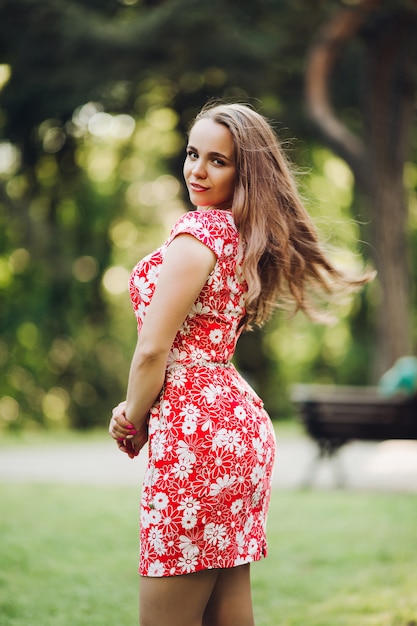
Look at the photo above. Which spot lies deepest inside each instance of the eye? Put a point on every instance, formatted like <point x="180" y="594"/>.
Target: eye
<point x="192" y="154"/>
<point x="218" y="161"/>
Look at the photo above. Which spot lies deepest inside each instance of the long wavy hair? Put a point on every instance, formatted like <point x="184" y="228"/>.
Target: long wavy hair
<point x="283" y="259"/>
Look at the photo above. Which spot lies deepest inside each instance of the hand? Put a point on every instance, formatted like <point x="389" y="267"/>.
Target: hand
<point x="129" y="440"/>
<point x="133" y="444"/>
<point x="119" y="426"/>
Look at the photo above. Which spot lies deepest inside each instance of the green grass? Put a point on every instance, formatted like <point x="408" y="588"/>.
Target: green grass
<point x="339" y="559"/>
<point x="68" y="557"/>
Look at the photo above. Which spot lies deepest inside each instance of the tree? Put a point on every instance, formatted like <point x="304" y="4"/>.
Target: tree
<point x="387" y="31"/>
<point x="148" y="61"/>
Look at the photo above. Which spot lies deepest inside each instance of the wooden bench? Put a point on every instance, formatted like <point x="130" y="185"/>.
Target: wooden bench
<point x="336" y="415"/>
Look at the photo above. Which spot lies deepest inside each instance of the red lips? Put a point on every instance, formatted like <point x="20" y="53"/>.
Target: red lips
<point x="198" y="188"/>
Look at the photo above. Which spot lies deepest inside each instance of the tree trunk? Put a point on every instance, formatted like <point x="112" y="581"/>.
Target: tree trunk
<point x="377" y="161"/>
<point x="389" y="116"/>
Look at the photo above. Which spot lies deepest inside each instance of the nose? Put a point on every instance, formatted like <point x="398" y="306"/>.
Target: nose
<point x="198" y="170"/>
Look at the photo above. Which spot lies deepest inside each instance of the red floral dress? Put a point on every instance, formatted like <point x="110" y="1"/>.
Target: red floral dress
<point x="207" y="486"/>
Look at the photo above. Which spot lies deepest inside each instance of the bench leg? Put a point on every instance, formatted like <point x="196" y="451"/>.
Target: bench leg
<point x="327" y="449"/>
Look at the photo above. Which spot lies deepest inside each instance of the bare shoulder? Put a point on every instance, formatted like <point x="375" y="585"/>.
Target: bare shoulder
<point x="188" y="252"/>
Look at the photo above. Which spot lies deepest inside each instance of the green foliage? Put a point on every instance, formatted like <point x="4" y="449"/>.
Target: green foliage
<point x="74" y="233"/>
<point x="69" y="556"/>
<point x="95" y="101"/>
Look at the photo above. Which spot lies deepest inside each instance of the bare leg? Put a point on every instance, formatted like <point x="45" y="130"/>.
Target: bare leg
<point x="231" y="601"/>
<point x="176" y="600"/>
<point x="207" y="598"/>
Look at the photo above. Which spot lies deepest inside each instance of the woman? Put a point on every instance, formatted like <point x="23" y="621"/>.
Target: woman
<point x="211" y="444"/>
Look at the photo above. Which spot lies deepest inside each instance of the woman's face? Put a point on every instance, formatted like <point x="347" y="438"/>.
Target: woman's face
<point x="209" y="168"/>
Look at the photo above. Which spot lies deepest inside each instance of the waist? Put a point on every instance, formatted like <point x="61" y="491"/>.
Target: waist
<point x="199" y="363"/>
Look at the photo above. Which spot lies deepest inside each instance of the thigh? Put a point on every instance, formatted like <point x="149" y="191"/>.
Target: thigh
<point x="175" y="600"/>
<point x="231" y="600"/>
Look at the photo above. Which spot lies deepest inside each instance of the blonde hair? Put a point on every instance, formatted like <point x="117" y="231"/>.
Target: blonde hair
<point x="283" y="259"/>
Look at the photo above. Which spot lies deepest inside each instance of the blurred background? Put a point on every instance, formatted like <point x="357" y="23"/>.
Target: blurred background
<point x="95" y="100"/>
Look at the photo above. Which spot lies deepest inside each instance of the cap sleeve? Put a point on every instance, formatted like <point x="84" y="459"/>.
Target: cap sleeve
<point x="214" y="228"/>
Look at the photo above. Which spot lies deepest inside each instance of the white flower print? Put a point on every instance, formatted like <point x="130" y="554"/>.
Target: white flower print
<point x="241" y="449"/>
<point x="205" y="231"/>
<point x="216" y="281"/>
<point x="153" y="274"/>
<point x="141" y="310"/>
<point x="240" y="542"/>
<point x="253" y="546"/>
<point x="175" y="355"/>
<point x="188" y="547"/>
<point x="214" y="532"/>
<point x="185" y="454"/>
<point x="198" y="355"/>
<point x="177" y="376"/>
<point x="190" y="411"/>
<point x="188" y="521"/>
<point x="144" y="519"/>
<point x="187" y="563"/>
<point x="154" y="477"/>
<point x="248" y="525"/>
<point x="216" y="335"/>
<point x="228" y="249"/>
<point x="158" y="446"/>
<point x="223" y="543"/>
<point x="212" y="392"/>
<point x="227" y="439"/>
<point x="185" y="329"/>
<point x="263" y="432"/>
<point x="182" y="470"/>
<point x="207" y="425"/>
<point x="165" y="408"/>
<point x="190" y="506"/>
<point x="259" y="449"/>
<point x="156" y="541"/>
<point x="143" y="288"/>
<point x="149" y="518"/>
<point x="218" y="246"/>
<point x="199" y="308"/>
<point x="237" y="506"/>
<point x="233" y="310"/>
<point x="257" y="494"/>
<point x="241" y="479"/>
<point x="240" y="412"/>
<point x="257" y="474"/>
<point x="160" y="501"/>
<point x="154" y="517"/>
<point x="223" y="482"/>
<point x="232" y="284"/>
<point x="189" y="426"/>
<point x="156" y="569"/>
<point x="190" y="222"/>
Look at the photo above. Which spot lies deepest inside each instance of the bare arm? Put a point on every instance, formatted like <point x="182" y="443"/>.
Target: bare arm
<point x="184" y="271"/>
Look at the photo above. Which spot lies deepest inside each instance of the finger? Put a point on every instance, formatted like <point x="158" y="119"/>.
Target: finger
<point x="118" y="430"/>
<point x="130" y="448"/>
<point x="123" y="448"/>
<point x="113" y="429"/>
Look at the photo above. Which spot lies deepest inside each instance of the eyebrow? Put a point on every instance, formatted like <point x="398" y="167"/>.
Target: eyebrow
<point x="212" y="154"/>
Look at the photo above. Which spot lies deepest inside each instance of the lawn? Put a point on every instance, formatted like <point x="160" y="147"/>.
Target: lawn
<point x="68" y="555"/>
<point x="68" y="558"/>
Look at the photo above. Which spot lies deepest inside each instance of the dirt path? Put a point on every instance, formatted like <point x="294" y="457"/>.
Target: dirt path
<point x="387" y="466"/>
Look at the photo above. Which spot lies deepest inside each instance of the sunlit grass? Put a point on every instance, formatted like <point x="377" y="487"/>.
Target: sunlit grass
<point x="339" y="559"/>
<point x="68" y="557"/>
